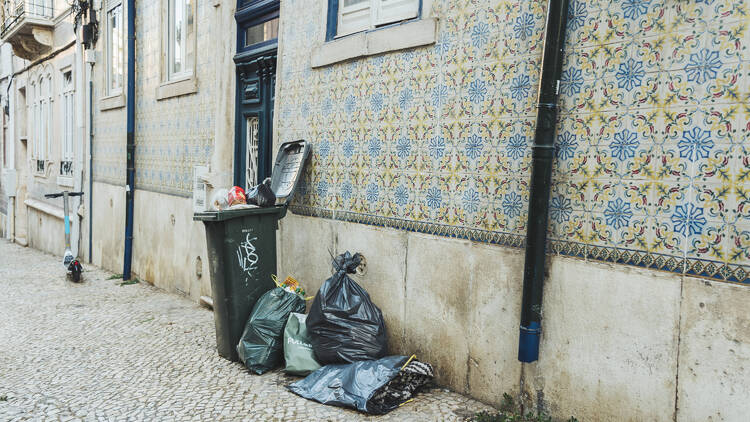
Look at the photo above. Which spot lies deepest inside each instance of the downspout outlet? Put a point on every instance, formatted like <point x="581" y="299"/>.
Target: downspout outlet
<point x="528" y="343"/>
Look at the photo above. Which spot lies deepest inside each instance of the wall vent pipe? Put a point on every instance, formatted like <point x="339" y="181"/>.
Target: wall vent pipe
<point x="541" y="175"/>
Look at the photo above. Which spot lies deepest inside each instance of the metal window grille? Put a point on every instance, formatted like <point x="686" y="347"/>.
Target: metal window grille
<point x="252" y="152"/>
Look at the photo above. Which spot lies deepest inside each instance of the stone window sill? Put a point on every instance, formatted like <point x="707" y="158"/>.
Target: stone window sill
<point x="65" y="181"/>
<point x="399" y="37"/>
<point x="112" y="102"/>
<point x="177" y="88"/>
<point x="45" y="208"/>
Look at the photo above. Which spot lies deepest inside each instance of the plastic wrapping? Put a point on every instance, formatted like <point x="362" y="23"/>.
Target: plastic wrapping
<point x="260" y="347"/>
<point x="374" y="386"/>
<point x="236" y="196"/>
<point x="261" y="195"/>
<point x="219" y="200"/>
<point x="344" y="324"/>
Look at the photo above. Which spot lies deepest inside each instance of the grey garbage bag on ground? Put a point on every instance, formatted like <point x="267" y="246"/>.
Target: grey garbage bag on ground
<point x="260" y="347"/>
<point x="298" y="352"/>
<point x="373" y="386"/>
<point x="344" y="324"/>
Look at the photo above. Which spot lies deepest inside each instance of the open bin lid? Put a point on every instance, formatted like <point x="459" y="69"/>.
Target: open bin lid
<point x="290" y="161"/>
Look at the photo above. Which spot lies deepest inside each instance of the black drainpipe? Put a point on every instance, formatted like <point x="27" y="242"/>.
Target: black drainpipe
<point x="541" y="175"/>
<point x="130" y="183"/>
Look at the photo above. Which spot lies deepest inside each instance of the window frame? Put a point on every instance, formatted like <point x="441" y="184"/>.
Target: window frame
<point x="168" y="42"/>
<point x="42" y="104"/>
<point x="68" y="113"/>
<point x="109" y="49"/>
<point x="334" y="16"/>
<point x="251" y="13"/>
<point x="182" y="83"/>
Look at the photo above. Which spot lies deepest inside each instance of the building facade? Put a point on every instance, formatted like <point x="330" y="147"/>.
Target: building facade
<point x="184" y="88"/>
<point x="421" y="114"/>
<point x="422" y="136"/>
<point x="43" y="121"/>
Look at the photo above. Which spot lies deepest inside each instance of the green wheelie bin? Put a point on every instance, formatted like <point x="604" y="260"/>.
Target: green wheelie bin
<point x="242" y="257"/>
<point x="242" y="249"/>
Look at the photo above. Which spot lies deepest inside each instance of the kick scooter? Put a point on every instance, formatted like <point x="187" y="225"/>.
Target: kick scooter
<point x="70" y="261"/>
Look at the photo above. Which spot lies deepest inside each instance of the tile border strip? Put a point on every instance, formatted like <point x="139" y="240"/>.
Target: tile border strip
<point x="718" y="271"/>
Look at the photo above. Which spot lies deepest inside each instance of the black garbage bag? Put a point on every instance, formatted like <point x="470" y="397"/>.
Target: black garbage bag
<point x="261" y="195"/>
<point x="373" y="386"/>
<point x="262" y="342"/>
<point x="344" y="324"/>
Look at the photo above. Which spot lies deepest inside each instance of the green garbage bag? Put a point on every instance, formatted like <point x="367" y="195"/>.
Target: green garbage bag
<point x="260" y="347"/>
<point x="298" y="352"/>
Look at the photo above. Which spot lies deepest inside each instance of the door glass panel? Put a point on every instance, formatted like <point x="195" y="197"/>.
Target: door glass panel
<point x="251" y="126"/>
<point x="262" y="32"/>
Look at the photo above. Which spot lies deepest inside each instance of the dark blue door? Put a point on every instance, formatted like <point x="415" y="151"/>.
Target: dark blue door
<point x="257" y="32"/>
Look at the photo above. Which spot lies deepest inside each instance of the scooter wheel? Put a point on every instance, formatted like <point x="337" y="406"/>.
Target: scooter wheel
<point x="75" y="271"/>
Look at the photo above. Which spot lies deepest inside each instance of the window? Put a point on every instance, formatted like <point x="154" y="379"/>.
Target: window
<point x="41" y="110"/>
<point x="115" y="49"/>
<point x="180" y="39"/>
<point x="361" y="15"/>
<point x="262" y="32"/>
<point x="66" y="158"/>
<point x="40" y="8"/>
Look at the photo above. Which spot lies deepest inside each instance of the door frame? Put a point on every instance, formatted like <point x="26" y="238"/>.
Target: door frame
<point x="257" y="60"/>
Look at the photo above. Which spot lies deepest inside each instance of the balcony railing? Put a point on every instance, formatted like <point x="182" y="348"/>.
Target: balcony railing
<point x="18" y="10"/>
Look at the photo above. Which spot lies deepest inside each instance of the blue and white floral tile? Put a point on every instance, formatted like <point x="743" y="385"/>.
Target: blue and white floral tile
<point x="707" y="13"/>
<point x="663" y="238"/>
<point x="670" y="195"/>
<point x="635" y="235"/>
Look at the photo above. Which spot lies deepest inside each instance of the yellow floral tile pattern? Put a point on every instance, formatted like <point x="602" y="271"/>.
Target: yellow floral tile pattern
<point x="652" y="151"/>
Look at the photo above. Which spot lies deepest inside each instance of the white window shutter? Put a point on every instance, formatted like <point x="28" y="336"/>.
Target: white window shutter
<point x="389" y="11"/>
<point x="354" y="16"/>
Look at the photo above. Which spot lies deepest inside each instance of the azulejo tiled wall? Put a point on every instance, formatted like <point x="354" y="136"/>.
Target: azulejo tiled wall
<point x="652" y="164"/>
<point x="172" y="136"/>
<point x="109" y="145"/>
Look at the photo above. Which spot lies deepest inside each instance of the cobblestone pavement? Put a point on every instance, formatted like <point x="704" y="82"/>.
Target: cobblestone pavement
<point x="101" y="351"/>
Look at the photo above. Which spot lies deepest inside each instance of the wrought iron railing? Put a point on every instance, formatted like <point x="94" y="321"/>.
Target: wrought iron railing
<point x="17" y="10"/>
<point x="66" y="168"/>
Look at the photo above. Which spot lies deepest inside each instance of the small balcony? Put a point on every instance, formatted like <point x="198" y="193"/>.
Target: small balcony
<point x="27" y="25"/>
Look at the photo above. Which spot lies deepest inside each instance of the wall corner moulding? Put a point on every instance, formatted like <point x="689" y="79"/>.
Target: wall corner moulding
<point x="398" y="37"/>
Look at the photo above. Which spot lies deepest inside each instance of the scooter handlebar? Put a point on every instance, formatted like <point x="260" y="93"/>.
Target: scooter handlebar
<point x="57" y="195"/>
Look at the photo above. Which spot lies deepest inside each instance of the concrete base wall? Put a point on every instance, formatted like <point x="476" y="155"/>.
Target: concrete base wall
<point x="615" y="338"/>
<point x="46" y="232"/>
<point x="169" y="248"/>
<point x="108" y="226"/>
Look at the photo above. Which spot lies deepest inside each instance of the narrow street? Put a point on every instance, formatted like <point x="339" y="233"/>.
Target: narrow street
<point x="101" y="351"/>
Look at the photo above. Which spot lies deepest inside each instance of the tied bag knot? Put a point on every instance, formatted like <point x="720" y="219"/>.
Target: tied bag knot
<point x="347" y="263"/>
